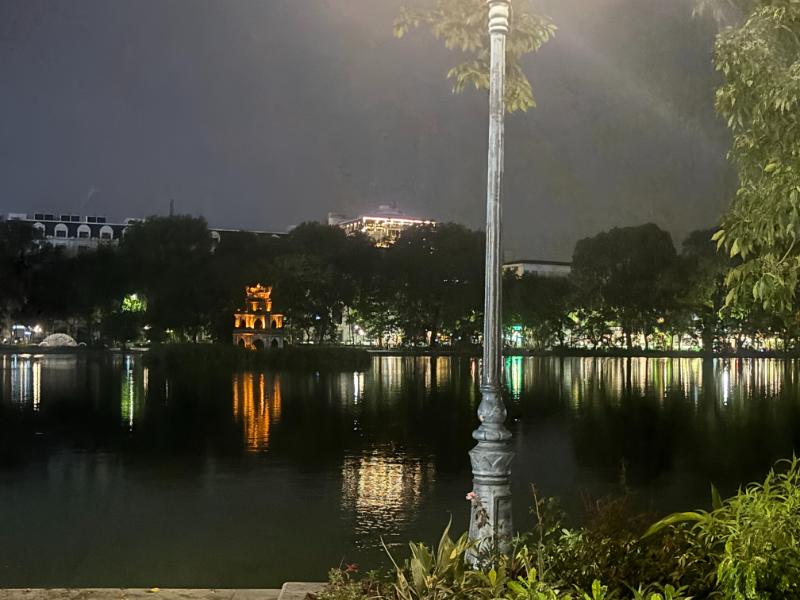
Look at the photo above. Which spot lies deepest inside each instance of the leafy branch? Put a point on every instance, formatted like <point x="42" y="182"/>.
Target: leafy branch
<point x="461" y="24"/>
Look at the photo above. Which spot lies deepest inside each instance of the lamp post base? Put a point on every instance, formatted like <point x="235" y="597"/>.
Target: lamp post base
<point x="491" y="523"/>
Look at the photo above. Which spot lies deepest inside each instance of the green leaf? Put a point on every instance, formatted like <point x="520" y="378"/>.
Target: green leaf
<point x="716" y="500"/>
<point x="673" y="519"/>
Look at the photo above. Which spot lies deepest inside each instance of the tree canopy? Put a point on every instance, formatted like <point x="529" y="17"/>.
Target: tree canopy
<point x="437" y="278"/>
<point x="626" y="271"/>
<point x="759" y="60"/>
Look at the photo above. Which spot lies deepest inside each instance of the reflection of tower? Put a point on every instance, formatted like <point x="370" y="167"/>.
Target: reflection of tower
<point x="256" y="408"/>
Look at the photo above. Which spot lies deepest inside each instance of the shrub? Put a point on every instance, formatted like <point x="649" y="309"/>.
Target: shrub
<point x="746" y="548"/>
<point x="609" y="547"/>
<point x="751" y="538"/>
<point x="442" y="573"/>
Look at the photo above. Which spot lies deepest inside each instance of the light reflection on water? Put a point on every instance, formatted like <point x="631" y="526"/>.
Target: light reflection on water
<point x="344" y="458"/>
<point x="134" y="384"/>
<point x="382" y="488"/>
<point x="257" y="405"/>
<point x="583" y="379"/>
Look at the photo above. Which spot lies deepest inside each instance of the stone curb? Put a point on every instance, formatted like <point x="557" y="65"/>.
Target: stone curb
<point x="298" y="590"/>
<point x="291" y="590"/>
<point x="141" y="594"/>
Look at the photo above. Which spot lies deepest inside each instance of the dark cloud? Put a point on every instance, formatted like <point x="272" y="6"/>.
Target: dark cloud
<point x="266" y="113"/>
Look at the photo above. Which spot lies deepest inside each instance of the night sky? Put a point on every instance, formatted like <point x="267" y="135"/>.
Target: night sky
<point x="262" y="114"/>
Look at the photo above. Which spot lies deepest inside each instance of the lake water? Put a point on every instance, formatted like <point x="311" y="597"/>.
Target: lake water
<point x="113" y="474"/>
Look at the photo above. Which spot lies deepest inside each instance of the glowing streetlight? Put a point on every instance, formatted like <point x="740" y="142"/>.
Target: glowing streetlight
<point x="491" y="521"/>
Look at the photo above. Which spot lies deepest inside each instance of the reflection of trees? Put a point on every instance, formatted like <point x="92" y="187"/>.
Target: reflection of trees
<point x="606" y="433"/>
<point x="730" y="419"/>
<point x="62" y="396"/>
<point x="726" y="420"/>
<point x="395" y="403"/>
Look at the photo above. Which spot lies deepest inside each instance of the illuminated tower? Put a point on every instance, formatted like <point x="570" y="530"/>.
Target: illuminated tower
<point x="255" y="326"/>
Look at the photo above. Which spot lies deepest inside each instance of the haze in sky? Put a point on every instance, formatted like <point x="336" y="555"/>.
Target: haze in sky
<point x="262" y="114"/>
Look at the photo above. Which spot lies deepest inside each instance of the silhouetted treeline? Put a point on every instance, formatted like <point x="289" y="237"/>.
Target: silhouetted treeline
<point x="168" y="280"/>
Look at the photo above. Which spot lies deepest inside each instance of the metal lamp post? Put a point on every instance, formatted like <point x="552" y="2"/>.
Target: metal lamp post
<point x="491" y="520"/>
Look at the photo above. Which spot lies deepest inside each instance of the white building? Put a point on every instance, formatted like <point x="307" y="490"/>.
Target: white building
<point x="544" y="268"/>
<point x="76" y="233"/>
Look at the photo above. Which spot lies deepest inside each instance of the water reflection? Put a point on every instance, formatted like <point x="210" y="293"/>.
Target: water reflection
<point x="257" y="405"/>
<point x="514" y="370"/>
<point x="358" y="387"/>
<point x="382" y="489"/>
<point x="347" y="457"/>
<point x="133" y="391"/>
<point x="610" y="379"/>
<point x="22" y="379"/>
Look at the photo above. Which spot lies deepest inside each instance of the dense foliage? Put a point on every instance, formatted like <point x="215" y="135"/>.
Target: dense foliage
<point x="759" y="59"/>
<point x="168" y="281"/>
<point x="628" y="272"/>
<point x="746" y="548"/>
<point x="751" y="540"/>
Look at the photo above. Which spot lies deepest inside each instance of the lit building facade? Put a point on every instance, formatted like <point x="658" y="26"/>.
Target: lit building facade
<point x="383" y="226"/>
<point x="543" y="268"/>
<point x="255" y="325"/>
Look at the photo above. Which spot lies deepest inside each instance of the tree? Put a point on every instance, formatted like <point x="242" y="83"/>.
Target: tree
<point x="21" y="258"/>
<point x="320" y="271"/>
<point x="241" y="259"/>
<point x="80" y="290"/>
<point x="126" y="322"/>
<point x="375" y="308"/>
<point x="462" y="26"/>
<point x="703" y="272"/>
<point x="624" y="275"/>
<point x="438" y="275"/>
<point x="168" y="260"/>
<point x="759" y="60"/>
<point x="15" y="243"/>
<point x="540" y="305"/>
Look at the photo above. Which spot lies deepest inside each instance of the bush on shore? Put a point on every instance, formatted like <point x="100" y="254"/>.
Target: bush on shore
<point x="746" y="548"/>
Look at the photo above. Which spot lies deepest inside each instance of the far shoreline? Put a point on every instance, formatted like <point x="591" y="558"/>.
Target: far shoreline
<point x="475" y="352"/>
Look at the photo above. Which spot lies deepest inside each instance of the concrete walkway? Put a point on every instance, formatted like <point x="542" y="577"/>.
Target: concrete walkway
<point x="289" y="591"/>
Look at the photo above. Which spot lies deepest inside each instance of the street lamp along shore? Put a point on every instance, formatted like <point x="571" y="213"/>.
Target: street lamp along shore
<point x="491" y="525"/>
